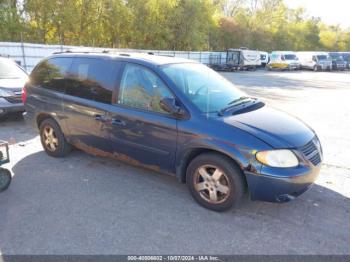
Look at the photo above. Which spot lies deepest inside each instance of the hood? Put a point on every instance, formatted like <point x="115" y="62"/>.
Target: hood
<point x="12" y="84"/>
<point x="325" y="62"/>
<point x="276" y="128"/>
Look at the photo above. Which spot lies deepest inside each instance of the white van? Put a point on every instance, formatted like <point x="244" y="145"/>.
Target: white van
<point x="315" y="60"/>
<point x="284" y="60"/>
<point x="264" y="57"/>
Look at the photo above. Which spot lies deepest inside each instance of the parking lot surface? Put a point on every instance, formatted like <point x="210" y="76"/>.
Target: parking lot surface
<point x="83" y="204"/>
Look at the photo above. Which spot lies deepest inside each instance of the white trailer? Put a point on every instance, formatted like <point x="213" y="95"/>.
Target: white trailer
<point x="243" y="58"/>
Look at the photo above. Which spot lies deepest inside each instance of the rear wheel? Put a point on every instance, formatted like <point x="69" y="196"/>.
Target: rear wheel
<point x="215" y="182"/>
<point x="53" y="140"/>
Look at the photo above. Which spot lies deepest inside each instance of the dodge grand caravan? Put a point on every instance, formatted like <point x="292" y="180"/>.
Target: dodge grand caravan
<point x="173" y="116"/>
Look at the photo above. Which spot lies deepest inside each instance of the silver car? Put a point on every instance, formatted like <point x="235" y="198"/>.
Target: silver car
<point x="12" y="80"/>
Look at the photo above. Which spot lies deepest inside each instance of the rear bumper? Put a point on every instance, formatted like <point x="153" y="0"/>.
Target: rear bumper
<point x="7" y="107"/>
<point x="281" y="185"/>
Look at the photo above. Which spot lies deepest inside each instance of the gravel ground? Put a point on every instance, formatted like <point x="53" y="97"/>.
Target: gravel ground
<point x="87" y="205"/>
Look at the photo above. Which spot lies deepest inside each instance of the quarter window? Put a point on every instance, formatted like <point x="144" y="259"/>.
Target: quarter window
<point x="51" y="73"/>
<point x="141" y="88"/>
<point x="93" y="79"/>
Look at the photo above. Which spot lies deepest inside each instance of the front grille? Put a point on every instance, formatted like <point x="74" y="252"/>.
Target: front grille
<point x="14" y="99"/>
<point x="311" y="152"/>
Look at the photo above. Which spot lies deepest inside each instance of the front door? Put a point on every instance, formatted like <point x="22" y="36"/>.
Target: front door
<point x="141" y="132"/>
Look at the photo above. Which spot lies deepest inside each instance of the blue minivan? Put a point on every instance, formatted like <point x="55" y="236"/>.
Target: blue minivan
<point x="173" y="116"/>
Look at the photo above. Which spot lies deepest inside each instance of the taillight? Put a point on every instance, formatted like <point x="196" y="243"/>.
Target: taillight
<point x="24" y="94"/>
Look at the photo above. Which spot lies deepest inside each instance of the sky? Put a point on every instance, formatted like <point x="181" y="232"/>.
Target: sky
<point x="330" y="11"/>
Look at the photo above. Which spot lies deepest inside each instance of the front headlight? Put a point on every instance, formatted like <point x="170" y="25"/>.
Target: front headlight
<point x="277" y="158"/>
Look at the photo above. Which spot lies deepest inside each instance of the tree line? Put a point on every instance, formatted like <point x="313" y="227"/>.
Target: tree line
<point x="169" y="24"/>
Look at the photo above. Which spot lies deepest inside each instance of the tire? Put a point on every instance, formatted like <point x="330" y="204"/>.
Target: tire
<point x="204" y="187"/>
<point x="55" y="145"/>
<point x="315" y="68"/>
<point x="5" y="179"/>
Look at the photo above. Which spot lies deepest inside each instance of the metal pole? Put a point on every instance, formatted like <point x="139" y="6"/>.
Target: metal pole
<point x="23" y="54"/>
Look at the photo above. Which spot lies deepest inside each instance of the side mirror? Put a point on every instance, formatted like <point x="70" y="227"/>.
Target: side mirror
<point x="168" y="104"/>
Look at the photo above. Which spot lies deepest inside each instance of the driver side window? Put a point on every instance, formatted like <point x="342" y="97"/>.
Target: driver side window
<point x="140" y="88"/>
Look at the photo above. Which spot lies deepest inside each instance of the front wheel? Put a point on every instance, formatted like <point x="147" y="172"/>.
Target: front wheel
<point x="215" y="182"/>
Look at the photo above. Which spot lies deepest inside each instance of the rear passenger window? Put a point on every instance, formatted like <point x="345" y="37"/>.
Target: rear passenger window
<point x="51" y="73"/>
<point x="93" y="79"/>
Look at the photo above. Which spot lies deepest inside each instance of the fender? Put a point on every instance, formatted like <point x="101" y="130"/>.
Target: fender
<point x="244" y="157"/>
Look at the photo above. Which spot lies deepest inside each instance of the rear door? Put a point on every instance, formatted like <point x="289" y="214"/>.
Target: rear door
<point x="89" y="90"/>
<point x="141" y="132"/>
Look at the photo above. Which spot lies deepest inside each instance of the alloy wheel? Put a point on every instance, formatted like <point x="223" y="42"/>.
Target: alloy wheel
<point x="50" y="138"/>
<point x="212" y="184"/>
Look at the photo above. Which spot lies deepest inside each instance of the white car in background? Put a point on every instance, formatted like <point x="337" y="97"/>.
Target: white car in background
<point x="317" y="61"/>
<point x="12" y="80"/>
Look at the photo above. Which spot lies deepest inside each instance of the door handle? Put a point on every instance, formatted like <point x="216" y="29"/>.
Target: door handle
<point x="118" y="122"/>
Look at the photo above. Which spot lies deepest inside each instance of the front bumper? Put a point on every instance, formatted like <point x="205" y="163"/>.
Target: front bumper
<point x="293" y="66"/>
<point x="7" y="107"/>
<point x="340" y="66"/>
<point x="324" y="67"/>
<point x="281" y="184"/>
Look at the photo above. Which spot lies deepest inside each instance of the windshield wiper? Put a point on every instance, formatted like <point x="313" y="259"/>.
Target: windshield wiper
<point x="237" y="102"/>
<point x="239" y="99"/>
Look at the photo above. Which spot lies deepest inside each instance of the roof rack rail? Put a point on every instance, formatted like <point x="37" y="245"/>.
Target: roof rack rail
<point x="87" y="51"/>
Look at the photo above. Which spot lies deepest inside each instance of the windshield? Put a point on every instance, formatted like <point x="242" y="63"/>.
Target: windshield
<point x="9" y="69"/>
<point x="337" y="57"/>
<point x="346" y="57"/>
<point x="290" y="57"/>
<point x="208" y="90"/>
<point x="322" y="57"/>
